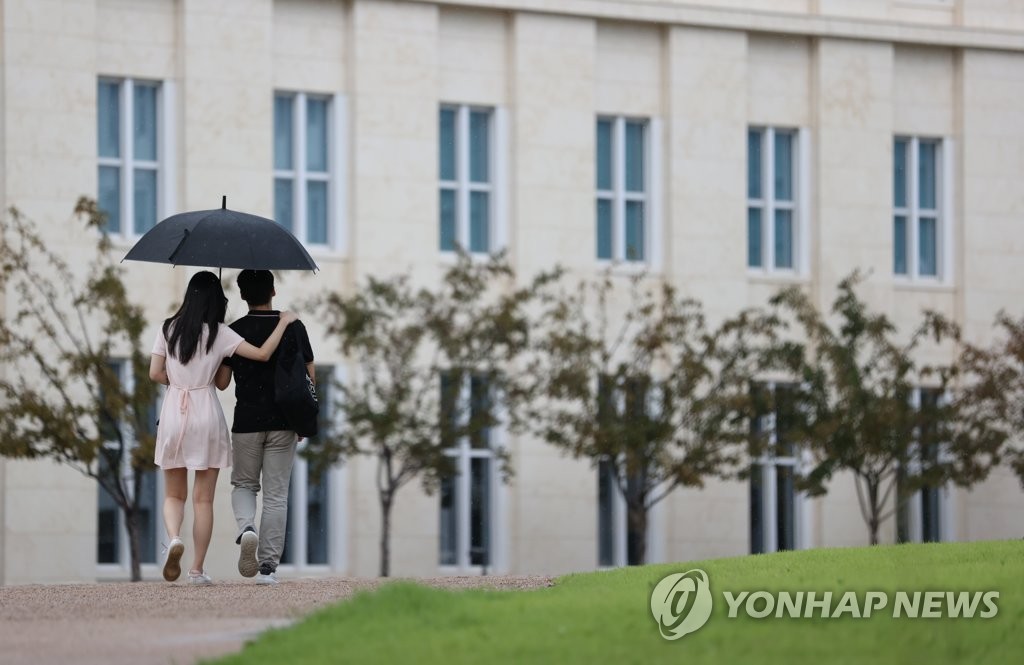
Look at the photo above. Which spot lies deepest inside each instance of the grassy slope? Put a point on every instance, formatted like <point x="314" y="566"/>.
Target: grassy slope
<point x="604" y="617"/>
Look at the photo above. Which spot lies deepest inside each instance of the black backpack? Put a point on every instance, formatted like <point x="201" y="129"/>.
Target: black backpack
<point x="294" y="392"/>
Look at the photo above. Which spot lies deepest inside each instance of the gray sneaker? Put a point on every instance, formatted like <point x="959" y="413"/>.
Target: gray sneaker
<point x="269" y="579"/>
<point x="248" y="566"/>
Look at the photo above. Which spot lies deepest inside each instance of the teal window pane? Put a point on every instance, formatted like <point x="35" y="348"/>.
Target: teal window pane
<point x="284" y="203"/>
<point x="108" y="524"/>
<point x="635" y="177"/>
<point x="899" y="245"/>
<point x="754" y="163"/>
<point x="316" y="212"/>
<point x="754" y="251"/>
<point x="317" y="517"/>
<point x="605" y="511"/>
<point x="604" y="229"/>
<point x="284" y="147"/>
<point x="148" y="518"/>
<point x="783" y="166"/>
<point x="604" y="154"/>
<point x="783" y="238"/>
<point x="479" y="146"/>
<point x="110" y="196"/>
<point x="479" y="221"/>
<point x="144" y="122"/>
<point x="446" y="147"/>
<point x="144" y="207"/>
<point x="480" y="511"/>
<point x="635" y="241"/>
<point x="927" y="174"/>
<point x="447" y="214"/>
<point x="928" y="245"/>
<point x="448" y="535"/>
<point x="316" y="135"/>
<point x="108" y="116"/>
<point x="899" y="172"/>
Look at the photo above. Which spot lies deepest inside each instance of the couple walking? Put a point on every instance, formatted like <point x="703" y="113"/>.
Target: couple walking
<point x="193" y="353"/>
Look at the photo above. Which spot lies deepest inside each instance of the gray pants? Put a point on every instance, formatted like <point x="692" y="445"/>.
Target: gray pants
<point x="270" y="454"/>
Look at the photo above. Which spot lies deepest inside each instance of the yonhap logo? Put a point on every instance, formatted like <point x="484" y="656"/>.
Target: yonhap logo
<point x="681" y="603"/>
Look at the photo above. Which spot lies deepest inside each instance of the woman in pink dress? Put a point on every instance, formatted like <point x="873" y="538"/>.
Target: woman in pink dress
<point x="192" y="433"/>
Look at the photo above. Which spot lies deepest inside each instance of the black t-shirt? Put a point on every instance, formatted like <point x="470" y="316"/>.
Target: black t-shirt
<point x="255" y="410"/>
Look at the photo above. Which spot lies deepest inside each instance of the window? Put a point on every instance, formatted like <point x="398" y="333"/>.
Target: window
<point x="922" y="517"/>
<point x="623" y="180"/>
<point x="466" y="509"/>
<point x="467" y="167"/>
<point x="112" y="544"/>
<point x="617" y="540"/>
<point x="133" y="170"/>
<point x="306" y="166"/>
<point x="308" y="532"/>
<point x="775" y="505"/>
<point x="918" y="226"/>
<point x="773" y="212"/>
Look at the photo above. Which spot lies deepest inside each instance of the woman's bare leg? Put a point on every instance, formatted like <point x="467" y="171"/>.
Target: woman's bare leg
<point x="175" y="494"/>
<point x="202" y="508"/>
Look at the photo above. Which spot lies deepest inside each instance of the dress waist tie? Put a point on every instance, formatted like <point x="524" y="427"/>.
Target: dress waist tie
<point x="183" y="409"/>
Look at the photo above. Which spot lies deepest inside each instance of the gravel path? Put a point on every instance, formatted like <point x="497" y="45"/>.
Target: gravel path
<point x="158" y="623"/>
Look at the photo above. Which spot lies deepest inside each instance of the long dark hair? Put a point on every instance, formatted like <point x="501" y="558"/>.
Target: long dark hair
<point x="204" y="303"/>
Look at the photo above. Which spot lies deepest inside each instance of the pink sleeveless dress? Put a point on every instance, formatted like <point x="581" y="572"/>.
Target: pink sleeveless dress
<point x="192" y="433"/>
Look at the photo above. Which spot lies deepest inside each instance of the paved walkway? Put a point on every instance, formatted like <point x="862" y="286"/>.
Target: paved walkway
<point x="162" y="624"/>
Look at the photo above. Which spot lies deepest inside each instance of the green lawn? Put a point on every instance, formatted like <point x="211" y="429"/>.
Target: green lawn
<point x="604" y="617"/>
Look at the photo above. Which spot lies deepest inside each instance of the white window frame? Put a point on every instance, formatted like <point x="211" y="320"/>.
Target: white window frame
<point x="947" y="522"/>
<point x="124" y="564"/>
<point x="618" y="195"/>
<point x="769" y="463"/>
<point x="462" y="185"/>
<point x="463" y="452"/>
<point x="166" y="194"/>
<point x="767" y="203"/>
<point x="337" y="520"/>
<point x="298" y="175"/>
<point x="913" y="214"/>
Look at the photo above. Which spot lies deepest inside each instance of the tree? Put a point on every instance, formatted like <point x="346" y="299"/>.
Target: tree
<point x="412" y="350"/>
<point x="653" y="392"/>
<point x="990" y="396"/>
<point x="858" y="407"/>
<point x="62" y="398"/>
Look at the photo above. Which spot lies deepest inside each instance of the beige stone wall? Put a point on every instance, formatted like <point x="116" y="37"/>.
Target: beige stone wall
<point x="851" y="73"/>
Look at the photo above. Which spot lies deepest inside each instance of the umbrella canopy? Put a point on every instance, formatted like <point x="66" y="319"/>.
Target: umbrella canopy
<point x="222" y="238"/>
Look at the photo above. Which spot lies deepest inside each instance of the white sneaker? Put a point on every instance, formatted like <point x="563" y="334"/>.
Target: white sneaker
<point x="172" y="566"/>
<point x="248" y="566"/>
<point x="200" y="578"/>
<point x="270" y="579"/>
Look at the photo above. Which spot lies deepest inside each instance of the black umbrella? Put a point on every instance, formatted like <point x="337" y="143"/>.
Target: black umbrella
<point x="222" y="239"/>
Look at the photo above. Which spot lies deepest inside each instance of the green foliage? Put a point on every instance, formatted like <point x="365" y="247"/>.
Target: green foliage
<point x="402" y="341"/>
<point x="856" y="409"/>
<point x="604" y="617"/>
<point x="654" y="392"/>
<point x="61" y="397"/>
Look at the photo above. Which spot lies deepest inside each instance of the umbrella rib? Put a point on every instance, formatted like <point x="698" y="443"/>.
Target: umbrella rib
<point x="180" y="243"/>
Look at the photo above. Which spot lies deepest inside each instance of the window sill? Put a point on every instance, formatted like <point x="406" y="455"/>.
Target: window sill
<point x="627" y="268"/>
<point x="924" y="285"/>
<point x="781" y="278"/>
<point x="450" y="258"/>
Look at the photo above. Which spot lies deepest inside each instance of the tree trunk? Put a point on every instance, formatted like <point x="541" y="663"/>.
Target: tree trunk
<point x="131" y="522"/>
<point x="385" y="532"/>
<point x="875" y="511"/>
<point x="636" y="534"/>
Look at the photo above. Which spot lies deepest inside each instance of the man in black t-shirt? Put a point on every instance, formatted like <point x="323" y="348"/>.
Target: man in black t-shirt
<point x="262" y="442"/>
